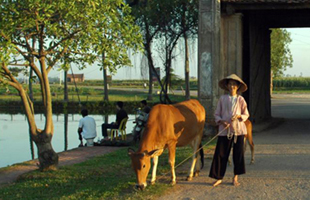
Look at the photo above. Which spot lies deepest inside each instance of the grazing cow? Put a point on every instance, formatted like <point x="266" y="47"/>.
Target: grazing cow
<point x="169" y="126"/>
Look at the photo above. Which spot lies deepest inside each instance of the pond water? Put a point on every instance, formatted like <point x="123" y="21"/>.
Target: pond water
<point x="15" y="146"/>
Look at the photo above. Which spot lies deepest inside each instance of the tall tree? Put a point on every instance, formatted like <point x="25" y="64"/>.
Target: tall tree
<point x="164" y="22"/>
<point x="82" y="29"/>
<point x="105" y="80"/>
<point x="178" y="18"/>
<point x="147" y="19"/>
<point x="281" y="57"/>
<point x="189" y="27"/>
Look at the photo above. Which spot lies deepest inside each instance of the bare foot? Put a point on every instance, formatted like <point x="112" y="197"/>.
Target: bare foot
<point x="235" y="181"/>
<point x="218" y="182"/>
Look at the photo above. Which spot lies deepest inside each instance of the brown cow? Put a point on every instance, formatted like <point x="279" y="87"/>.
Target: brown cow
<point x="169" y="126"/>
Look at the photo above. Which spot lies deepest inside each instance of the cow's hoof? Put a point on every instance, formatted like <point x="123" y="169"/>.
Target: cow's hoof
<point x="172" y="183"/>
<point x="252" y="162"/>
<point x="152" y="182"/>
<point x="196" y="174"/>
<point x="189" y="178"/>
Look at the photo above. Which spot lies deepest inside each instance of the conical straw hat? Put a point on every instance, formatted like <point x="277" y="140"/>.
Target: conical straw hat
<point x="223" y="83"/>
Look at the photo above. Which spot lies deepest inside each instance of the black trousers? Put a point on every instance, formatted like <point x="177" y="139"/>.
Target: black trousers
<point x="221" y="154"/>
<point x="105" y="127"/>
<point x="80" y="136"/>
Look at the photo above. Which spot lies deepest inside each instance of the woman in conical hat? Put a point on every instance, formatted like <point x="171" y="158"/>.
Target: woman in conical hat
<point x="230" y="115"/>
<point x="224" y="83"/>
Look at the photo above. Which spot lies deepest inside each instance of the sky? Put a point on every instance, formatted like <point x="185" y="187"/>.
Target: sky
<point x="134" y="72"/>
<point x="300" y="49"/>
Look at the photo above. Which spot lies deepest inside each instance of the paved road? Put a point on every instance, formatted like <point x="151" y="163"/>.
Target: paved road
<point x="282" y="166"/>
<point x="293" y="106"/>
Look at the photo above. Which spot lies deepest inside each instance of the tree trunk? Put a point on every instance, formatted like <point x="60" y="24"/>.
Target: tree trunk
<point x="30" y="84"/>
<point x="31" y="98"/>
<point x="48" y="158"/>
<point x="105" y="80"/>
<point x="65" y="86"/>
<point x="150" y="95"/>
<point x="187" y="86"/>
<point x="66" y="131"/>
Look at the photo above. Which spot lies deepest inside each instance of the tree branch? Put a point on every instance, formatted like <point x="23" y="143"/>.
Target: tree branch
<point x="60" y="54"/>
<point x="70" y="36"/>
<point x="8" y="73"/>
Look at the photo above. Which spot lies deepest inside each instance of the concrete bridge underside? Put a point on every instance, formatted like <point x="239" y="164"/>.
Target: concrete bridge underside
<point x="234" y="37"/>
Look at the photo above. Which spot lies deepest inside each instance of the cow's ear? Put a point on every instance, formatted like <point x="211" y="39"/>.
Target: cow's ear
<point x="156" y="152"/>
<point x="130" y="151"/>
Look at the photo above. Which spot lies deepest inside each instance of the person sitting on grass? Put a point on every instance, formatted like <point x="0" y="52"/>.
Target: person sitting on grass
<point x="87" y="129"/>
<point x="120" y="115"/>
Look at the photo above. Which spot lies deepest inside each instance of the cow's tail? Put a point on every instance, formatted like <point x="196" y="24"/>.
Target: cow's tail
<point x="201" y="156"/>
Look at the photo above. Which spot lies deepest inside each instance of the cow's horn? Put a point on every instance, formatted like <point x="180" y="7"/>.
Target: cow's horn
<point x="145" y="153"/>
<point x="130" y="149"/>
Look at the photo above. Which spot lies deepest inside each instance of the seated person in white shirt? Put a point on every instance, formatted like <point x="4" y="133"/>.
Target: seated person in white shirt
<point x="87" y="129"/>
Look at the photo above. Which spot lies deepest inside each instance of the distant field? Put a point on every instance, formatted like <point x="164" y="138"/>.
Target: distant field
<point x="88" y="93"/>
<point x="92" y="90"/>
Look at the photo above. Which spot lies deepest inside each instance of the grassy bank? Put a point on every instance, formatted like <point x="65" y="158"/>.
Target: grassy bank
<point x="89" y="97"/>
<point x="105" y="177"/>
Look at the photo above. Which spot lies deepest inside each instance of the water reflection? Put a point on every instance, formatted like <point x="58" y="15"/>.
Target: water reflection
<point x="31" y="145"/>
<point x="14" y="135"/>
<point x="66" y="131"/>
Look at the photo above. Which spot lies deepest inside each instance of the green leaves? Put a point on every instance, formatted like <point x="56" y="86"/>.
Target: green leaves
<point x="83" y="29"/>
<point x="281" y="56"/>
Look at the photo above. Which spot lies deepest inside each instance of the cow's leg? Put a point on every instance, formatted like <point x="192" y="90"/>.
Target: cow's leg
<point x="194" y="165"/>
<point x="172" y="148"/>
<point x="199" y="155"/>
<point x="191" y="170"/>
<point x="251" y="143"/>
<point x="249" y="138"/>
<point x="155" y="163"/>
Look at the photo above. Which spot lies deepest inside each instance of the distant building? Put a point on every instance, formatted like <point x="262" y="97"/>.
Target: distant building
<point x="75" y="77"/>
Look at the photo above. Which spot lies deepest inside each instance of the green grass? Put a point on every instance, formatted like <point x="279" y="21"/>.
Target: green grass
<point x="291" y="92"/>
<point x="97" y="95"/>
<point x="105" y="177"/>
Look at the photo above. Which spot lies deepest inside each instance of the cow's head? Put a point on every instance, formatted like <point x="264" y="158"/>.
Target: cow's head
<point x="141" y="165"/>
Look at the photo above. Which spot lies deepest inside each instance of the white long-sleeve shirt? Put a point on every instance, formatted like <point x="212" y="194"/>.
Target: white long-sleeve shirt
<point x="225" y="110"/>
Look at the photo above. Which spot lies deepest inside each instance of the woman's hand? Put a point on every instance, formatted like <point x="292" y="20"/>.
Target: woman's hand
<point x="235" y="117"/>
<point x="225" y="123"/>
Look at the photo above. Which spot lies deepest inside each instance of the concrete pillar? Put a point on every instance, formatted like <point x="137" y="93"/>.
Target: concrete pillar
<point x="209" y="54"/>
<point x="231" y="44"/>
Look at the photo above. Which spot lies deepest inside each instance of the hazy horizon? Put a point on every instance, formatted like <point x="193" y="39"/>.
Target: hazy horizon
<point x="299" y="47"/>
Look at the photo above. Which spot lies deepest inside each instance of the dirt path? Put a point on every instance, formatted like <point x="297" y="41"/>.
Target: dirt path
<point x="281" y="169"/>
<point x="70" y="157"/>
